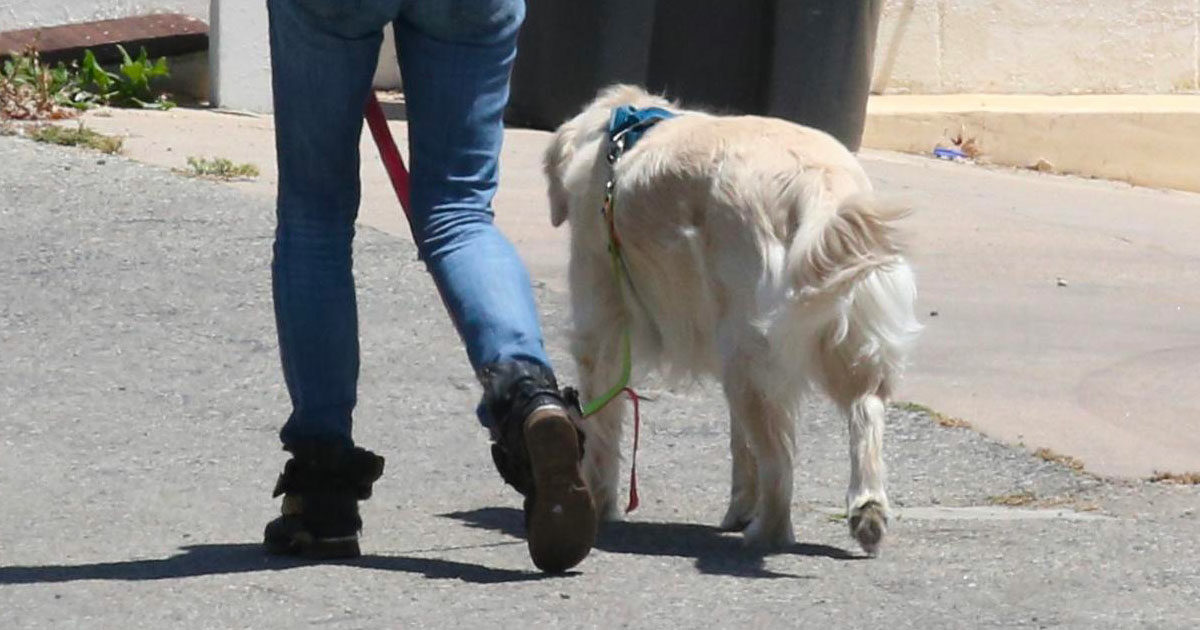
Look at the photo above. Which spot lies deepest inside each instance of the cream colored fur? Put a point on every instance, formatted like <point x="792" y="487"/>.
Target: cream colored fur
<point x="757" y="255"/>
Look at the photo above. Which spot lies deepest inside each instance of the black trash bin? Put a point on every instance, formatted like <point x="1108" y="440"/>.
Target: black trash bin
<point x="569" y="49"/>
<point x="712" y="54"/>
<point x="821" y="63"/>
<point x="804" y="60"/>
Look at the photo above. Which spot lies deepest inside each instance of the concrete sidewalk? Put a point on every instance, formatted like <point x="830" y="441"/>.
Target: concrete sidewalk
<point x="1104" y="369"/>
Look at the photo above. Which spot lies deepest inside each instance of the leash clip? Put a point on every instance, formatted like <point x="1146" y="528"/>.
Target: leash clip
<point x="616" y="147"/>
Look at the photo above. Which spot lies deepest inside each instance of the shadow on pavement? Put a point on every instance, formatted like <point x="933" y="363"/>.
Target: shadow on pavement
<point x="716" y="552"/>
<point x="197" y="560"/>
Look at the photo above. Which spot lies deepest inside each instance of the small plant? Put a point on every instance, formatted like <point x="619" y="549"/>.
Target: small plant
<point x="75" y="137"/>
<point x="1013" y="499"/>
<point x="1069" y="501"/>
<point x="1183" y="479"/>
<point x="1058" y="458"/>
<point x="31" y="90"/>
<point x="968" y="145"/>
<point x="219" y="168"/>
<point x="128" y="87"/>
<point x="950" y="422"/>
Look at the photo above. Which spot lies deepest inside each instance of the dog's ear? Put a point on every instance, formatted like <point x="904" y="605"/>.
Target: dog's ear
<point x="558" y="157"/>
<point x="558" y="204"/>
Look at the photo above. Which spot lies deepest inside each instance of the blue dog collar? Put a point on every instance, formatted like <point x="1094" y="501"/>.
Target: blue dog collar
<point x="628" y="123"/>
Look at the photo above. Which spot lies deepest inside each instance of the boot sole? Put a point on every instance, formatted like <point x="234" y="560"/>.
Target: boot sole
<point x="303" y="546"/>
<point x="562" y="520"/>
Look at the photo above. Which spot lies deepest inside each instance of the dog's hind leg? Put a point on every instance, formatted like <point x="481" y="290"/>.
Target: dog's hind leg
<point x="743" y="489"/>
<point x="866" y="500"/>
<point x="769" y="431"/>
<point x="861" y="368"/>
<point x="860" y="386"/>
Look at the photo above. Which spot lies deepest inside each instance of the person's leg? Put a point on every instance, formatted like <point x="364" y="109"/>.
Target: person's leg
<point x="320" y="81"/>
<point x="456" y="62"/>
<point x="455" y="57"/>
<point x="322" y="61"/>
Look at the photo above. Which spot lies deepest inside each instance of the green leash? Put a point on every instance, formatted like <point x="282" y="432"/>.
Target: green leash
<point x="622" y="386"/>
<point x="626" y="354"/>
<point x="625" y="127"/>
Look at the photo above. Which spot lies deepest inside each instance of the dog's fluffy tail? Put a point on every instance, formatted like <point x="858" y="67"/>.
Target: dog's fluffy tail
<point x="852" y="297"/>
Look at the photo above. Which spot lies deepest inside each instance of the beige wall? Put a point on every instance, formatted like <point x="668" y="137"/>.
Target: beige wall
<point x="1039" y="46"/>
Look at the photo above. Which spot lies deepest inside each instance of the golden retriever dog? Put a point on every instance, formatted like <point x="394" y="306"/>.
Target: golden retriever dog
<point x="755" y="253"/>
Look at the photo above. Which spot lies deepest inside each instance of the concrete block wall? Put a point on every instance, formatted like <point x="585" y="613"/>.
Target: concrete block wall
<point x="1039" y="47"/>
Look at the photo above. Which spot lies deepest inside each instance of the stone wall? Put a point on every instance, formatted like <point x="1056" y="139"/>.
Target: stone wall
<point x="1039" y="47"/>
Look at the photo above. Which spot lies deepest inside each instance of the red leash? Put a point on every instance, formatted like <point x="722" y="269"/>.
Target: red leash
<point x="393" y="163"/>
<point x="637" y="426"/>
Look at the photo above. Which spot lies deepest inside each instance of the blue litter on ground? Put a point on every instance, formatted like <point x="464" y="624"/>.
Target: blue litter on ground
<point x="949" y="154"/>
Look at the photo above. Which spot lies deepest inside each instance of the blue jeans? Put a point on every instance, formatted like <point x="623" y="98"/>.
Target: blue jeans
<point x="455" y="57"/>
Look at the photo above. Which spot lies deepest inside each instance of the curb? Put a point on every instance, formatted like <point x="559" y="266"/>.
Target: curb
<point x="1143" y="140"/>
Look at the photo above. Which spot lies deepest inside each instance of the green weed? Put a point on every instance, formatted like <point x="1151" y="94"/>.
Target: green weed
<point x="130" y="85"/>
<point x="33" y="90"/>
<point x="76" y="137"/>
<point x="219" y="168"/>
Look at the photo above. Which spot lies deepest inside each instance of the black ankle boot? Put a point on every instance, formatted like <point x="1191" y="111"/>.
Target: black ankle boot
<point x="537" y="450"/>
<point x="321" y="487"/>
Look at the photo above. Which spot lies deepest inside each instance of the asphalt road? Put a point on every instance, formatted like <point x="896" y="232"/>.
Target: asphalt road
<point x="140" y="396"/>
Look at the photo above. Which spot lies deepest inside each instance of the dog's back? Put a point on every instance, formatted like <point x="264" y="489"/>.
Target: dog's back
<point x="729" y="220"/>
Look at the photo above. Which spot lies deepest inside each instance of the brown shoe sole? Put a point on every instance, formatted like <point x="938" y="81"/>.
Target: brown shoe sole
<point x="562" y="521"/>
<point x="316" y="549"/>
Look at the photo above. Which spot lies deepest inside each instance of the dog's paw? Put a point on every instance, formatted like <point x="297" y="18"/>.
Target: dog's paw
<point x="769" y="534"/>
<point x="740" y="512"/>
<point x="737" y="518"/>
<point x="734" y="523"/>
<point x="868" y="525"/>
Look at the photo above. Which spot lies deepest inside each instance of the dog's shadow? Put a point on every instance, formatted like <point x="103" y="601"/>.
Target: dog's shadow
<point x="216" y="559"/>
<point x="716" y="552"/>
